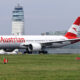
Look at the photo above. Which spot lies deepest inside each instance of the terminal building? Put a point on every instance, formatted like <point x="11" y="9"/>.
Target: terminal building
<point x="18" y="20"/>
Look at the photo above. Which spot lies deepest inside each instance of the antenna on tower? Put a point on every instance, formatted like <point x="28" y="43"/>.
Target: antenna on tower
<point x="19" y="2"/>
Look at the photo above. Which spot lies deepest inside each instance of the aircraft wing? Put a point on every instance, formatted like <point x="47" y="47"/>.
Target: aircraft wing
<point x="45" y="44"/>
<point x="63" y="41"/>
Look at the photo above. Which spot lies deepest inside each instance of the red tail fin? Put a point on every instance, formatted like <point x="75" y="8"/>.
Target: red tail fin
<point x="73" y="31"/>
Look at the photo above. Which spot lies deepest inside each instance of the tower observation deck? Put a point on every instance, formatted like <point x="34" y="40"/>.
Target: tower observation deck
<point x="18" y="20"/>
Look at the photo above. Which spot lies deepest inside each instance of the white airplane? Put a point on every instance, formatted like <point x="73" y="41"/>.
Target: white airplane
<point x="40" y="42"/>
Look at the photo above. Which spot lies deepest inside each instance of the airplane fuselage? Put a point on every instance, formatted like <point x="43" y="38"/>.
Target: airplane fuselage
<point x="18" y="41"/>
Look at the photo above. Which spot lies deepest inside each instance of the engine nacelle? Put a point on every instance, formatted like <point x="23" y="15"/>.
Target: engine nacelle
<point x="35" y="47"/>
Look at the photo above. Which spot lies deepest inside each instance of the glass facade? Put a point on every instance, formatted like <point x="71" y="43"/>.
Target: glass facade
<point x="18" y="13"/>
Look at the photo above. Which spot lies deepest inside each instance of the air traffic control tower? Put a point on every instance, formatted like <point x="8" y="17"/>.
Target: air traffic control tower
<point x="18" y="20"/>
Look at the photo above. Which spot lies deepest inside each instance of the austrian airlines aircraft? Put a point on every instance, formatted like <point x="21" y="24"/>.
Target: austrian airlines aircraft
<point x="40" y="42"/>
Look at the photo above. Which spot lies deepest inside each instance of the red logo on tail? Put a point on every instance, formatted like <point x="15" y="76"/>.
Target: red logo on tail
<point x="75" y="29"/>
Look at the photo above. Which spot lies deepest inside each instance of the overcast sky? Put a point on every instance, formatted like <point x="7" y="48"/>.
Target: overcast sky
<point x="40" y="15"/>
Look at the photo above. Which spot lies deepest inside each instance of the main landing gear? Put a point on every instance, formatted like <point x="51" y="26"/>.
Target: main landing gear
<point x="40" y="52"/>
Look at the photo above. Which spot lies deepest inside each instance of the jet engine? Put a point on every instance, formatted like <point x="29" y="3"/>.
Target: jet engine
<point x="35" y="47"/>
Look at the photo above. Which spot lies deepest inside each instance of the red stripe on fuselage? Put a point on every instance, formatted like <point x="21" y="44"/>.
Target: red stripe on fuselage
<point x="70" y="35"/>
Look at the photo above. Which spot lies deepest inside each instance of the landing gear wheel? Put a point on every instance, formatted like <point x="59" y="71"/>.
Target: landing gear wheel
<point x="43" y="52"/>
